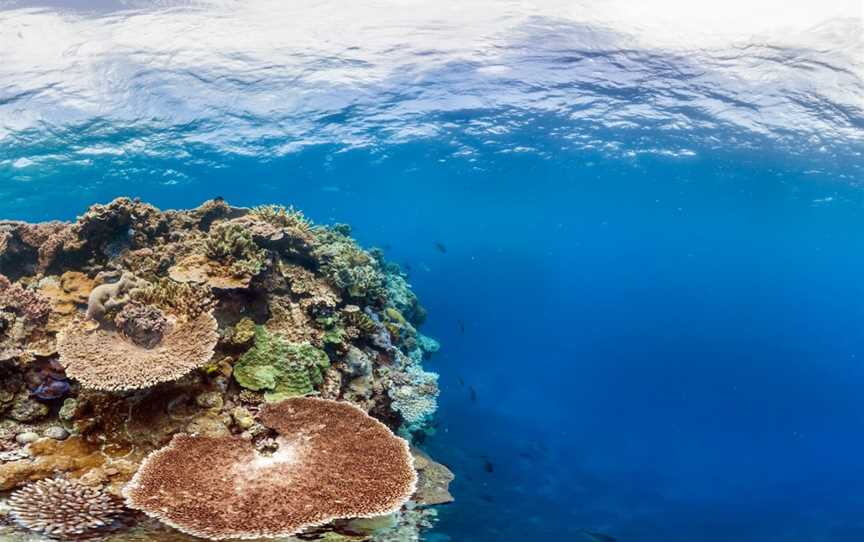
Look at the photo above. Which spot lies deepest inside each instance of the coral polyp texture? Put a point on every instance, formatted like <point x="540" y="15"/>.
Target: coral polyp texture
<point x="330" y="460"/>
<point x="240" y="372"/>
<point x="65" y="509"/>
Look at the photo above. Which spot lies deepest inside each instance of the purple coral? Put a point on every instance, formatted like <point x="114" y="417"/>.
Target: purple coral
<point x="24" y="302"/>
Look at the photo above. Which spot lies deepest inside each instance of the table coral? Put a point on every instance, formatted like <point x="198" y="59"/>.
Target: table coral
<point x="103" y="359"/>
<point x="333" y="461"/>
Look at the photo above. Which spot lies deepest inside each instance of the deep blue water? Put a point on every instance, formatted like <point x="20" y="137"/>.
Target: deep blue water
<point x="654" y="276"/>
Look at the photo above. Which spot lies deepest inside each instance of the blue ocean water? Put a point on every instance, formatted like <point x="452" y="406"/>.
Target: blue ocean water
<point x="650" y="299"/>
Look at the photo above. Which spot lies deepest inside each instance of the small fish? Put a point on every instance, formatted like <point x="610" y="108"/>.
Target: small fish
<point x="596" y="537"/>
<point x="472" y="394"/>
<point x="441" y="248"/>
<point x="488" y="466"/>
<point x="461" y="327"/>
<point x="487" y="498"/>
<point x="461" y="382"/>
<point x="406" y="266"/>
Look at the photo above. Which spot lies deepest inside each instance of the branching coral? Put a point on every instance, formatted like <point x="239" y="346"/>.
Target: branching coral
<point x="349" y="267"/>
<point x="233" y="245"/>
<point x="284" y="217"/>
<point x="104" y="360"/>
<point x="185" y="298"/>
<point x="279" y="368"/>
<point x="64" y="509"/>
<point x="414" y="396"/>
<point x="23" y="302"/>
<point x="333" y="461"/>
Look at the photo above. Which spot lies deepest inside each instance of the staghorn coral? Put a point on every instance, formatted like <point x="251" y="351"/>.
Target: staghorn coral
<point x="281" y="369"/>
<point x="104" y="360"/>
<point x="333" y="461"/>
<point x="65" y="509"/>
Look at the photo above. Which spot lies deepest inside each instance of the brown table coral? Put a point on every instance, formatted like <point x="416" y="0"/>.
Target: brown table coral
<point x="104" y="359"/>
<point x="333" y="461"/>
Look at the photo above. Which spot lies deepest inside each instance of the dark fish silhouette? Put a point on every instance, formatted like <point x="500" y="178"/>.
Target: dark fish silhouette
<point x="461" y="327"/>
<point x="488" y="466"/>
<point x="487" y="498"/>
<point x="472" y="394"/>
<point x="461" y="382"/>
<point x="596" y="537"/>
<point x="441" y="248"/>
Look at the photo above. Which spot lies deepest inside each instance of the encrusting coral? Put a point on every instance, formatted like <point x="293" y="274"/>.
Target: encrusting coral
<point x="64" y="509"/>
<point x="279" y="368"/>
<point x="333" y="461"/>
<point x="197" y="337"/>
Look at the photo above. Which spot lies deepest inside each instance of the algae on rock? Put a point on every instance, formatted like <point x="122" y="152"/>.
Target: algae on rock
<point x="279" y="368"/>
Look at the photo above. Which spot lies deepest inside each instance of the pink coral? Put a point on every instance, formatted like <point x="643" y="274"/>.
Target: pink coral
<point x="24" y="302"/>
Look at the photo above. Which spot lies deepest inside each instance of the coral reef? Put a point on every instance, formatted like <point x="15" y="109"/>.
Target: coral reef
<point x="134" y="335"/>
<point x="64" y="509"/>
<point x="333" y="461"/>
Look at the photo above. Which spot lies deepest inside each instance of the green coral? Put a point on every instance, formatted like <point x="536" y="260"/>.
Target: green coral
<point x="232" y="244"/>
<point x="242" y="333"/>
<point x="279" y="368"/>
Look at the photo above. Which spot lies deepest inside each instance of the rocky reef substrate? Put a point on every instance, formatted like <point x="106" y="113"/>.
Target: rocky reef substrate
<point x="217" y="373"/>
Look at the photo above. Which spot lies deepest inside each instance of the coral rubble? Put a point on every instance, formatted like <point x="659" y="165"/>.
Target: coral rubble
<point x="233" y="372"/>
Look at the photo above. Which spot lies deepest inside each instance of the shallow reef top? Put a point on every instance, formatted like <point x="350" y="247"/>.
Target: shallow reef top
<point x="215" y="373"/>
